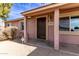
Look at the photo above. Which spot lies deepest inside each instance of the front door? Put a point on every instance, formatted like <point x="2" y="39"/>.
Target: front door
<point x="41" y="28"/>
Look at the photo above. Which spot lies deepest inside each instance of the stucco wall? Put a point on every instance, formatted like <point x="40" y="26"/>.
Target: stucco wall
<point x="64" y="38"/>
<point x="16" y="23"/>
<point x="50" y="33"/>
<point x="31" y="28"/>
<point x="72" y="39"/>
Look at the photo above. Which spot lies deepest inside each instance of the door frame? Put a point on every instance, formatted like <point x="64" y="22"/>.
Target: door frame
<point x="46" y="16"/>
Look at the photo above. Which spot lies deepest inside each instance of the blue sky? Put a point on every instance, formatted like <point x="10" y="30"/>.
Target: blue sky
<point x="17" y="8"/>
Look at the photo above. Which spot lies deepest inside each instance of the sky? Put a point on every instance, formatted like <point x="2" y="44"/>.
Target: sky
<point x="17" y="8"/>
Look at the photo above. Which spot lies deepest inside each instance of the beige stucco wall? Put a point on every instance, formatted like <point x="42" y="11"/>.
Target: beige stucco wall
<point x="15" y="23"/>
<point x="50" y="33"/>
<point x="65" y="38"/>
<point x="69" y="37"/>
<point x="31" y="28"/>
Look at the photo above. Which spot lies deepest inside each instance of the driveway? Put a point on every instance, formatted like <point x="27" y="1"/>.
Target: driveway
<point x="11" y="48"/>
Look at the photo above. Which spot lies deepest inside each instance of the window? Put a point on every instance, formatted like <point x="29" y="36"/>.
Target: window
<point x="69" y="23"/>
<point x="22" y="25"/>
<point x="75" y="23"/>
<point x="64" y="24"/>
<point x="8" y="24"/>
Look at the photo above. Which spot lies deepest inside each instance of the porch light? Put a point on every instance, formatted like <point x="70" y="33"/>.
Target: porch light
<point x="51" y="16"/>
<point x="29" y="17"/>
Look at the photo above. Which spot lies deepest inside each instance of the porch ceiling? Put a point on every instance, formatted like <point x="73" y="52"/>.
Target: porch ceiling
<point x="51" y="8"/>
<point x="69" y="8"/>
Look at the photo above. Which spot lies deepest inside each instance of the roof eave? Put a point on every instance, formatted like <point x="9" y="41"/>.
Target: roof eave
<point x="43" y="8"/>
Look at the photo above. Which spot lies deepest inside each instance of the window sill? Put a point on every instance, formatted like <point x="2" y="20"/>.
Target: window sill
<point x="69" y="33"/>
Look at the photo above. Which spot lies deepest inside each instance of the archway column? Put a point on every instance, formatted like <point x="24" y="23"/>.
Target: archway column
<point x="56" y="29"/>
<point x="25" y="30"/>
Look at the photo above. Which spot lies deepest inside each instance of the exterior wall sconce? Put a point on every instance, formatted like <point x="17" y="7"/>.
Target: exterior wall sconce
<point x="29" y="17"/>
<point x="50" y="20"/>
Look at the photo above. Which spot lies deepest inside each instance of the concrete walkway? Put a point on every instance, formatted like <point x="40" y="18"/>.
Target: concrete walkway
<point x="11" y="48"/>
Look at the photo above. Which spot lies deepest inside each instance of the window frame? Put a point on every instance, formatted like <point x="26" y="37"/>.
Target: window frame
<point x="69" y="23"/>
<point x="8" y="24"/>
<point x="21" y="25"/>
<point x="76" y="16"/>
<point x="70" y="18"/>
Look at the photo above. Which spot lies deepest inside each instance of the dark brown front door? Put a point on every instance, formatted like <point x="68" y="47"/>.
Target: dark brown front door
<point x="41" y="28"/>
